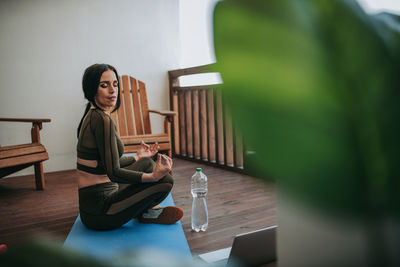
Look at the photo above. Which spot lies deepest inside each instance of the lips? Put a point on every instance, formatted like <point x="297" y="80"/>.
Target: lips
<point x="112" y="98"/>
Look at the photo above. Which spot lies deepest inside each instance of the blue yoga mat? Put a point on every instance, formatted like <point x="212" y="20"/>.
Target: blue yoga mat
<point x="130" y="238"/>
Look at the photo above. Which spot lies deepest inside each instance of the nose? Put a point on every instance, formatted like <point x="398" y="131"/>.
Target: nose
<point x="112" y="89"/>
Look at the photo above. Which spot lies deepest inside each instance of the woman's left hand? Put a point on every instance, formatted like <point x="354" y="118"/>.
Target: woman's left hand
<point x="147" y="151"/>
<point x="162" y="168"/>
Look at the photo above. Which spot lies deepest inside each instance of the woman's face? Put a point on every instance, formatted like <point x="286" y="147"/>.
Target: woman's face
<point x="107" y="92"/>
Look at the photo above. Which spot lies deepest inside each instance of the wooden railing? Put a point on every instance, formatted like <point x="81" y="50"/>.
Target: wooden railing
<point x="203" y="129"/>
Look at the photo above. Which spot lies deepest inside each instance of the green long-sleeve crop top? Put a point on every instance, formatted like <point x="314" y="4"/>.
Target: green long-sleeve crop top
<point x="98" y="140"/>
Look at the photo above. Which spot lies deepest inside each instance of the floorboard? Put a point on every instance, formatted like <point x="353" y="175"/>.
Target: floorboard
<point x="236" y="203"/>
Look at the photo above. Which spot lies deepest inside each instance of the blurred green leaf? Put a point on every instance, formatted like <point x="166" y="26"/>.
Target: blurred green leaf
<point x="314" y="88"/>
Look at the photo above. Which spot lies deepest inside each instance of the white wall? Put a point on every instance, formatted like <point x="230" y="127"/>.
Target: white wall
<point x="196" y="33"/>
<point x="46" y="45"/>
<point x="197" y="40"/>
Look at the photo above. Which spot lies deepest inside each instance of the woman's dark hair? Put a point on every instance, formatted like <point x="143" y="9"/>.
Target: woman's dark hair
<point x="90" y="85"/>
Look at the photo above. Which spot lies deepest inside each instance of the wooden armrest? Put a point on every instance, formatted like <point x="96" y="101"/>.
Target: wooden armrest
<point x="25" y="120"/>
<point x="37" y="122"/>
<point x="163" y="112"/>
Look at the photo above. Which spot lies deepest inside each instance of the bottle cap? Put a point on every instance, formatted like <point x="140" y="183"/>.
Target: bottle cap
<point x="198" y="169"/>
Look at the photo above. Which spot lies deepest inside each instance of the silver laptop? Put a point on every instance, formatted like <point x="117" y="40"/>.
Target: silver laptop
<point x="250" y="249"/>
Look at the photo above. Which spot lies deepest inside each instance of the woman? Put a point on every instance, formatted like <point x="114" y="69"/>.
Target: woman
<point x="114" y="189"/>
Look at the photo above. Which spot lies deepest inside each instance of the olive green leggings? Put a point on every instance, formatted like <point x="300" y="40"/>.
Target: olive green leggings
<point x="110" y="205"/>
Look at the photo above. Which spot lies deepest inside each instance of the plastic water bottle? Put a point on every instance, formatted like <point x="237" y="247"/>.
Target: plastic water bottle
<point x="199" y="206"/>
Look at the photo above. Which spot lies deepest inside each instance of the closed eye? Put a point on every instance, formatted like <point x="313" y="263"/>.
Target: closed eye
<point x="104" y="85"/>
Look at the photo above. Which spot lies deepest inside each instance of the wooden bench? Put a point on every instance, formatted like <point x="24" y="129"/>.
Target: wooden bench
<point x="18" y="157"/>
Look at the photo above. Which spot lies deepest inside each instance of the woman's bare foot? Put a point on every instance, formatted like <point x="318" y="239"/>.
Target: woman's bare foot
<point x="167" y="215"/>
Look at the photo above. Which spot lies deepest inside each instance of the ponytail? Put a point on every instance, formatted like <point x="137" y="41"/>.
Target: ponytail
<point x="83" y="117"/>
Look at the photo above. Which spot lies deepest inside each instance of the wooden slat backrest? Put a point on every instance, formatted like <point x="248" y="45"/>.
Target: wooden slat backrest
<point x="115" y="118"/>
<point x="121" y="113"/>
<point x="133" y="115"/>
<point x="145" y="108"/>
<point x="136" y="106"/>
<point x="128" y="105"/>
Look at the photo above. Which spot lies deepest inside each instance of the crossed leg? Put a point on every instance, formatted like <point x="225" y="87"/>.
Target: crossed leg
<point x="133" y="199"/>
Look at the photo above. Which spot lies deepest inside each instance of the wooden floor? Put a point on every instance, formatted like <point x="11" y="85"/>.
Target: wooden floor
<point x="236" y="203"/>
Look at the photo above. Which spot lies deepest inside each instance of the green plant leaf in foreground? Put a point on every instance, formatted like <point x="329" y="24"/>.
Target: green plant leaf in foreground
<point x="314" y="87"/>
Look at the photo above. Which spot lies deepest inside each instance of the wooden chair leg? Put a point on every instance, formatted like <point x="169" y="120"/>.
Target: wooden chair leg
<point x="39" y="176"/>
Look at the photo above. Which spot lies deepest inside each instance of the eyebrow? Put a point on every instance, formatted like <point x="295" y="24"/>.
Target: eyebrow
<point x="108" y="81"/>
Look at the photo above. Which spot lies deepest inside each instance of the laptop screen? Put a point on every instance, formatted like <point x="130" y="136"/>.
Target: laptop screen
<point x="254" y="248"/>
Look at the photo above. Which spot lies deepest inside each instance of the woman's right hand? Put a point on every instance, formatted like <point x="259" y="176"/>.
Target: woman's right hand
<point x="163" y="167"/>
<point x="146" y="150"/>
